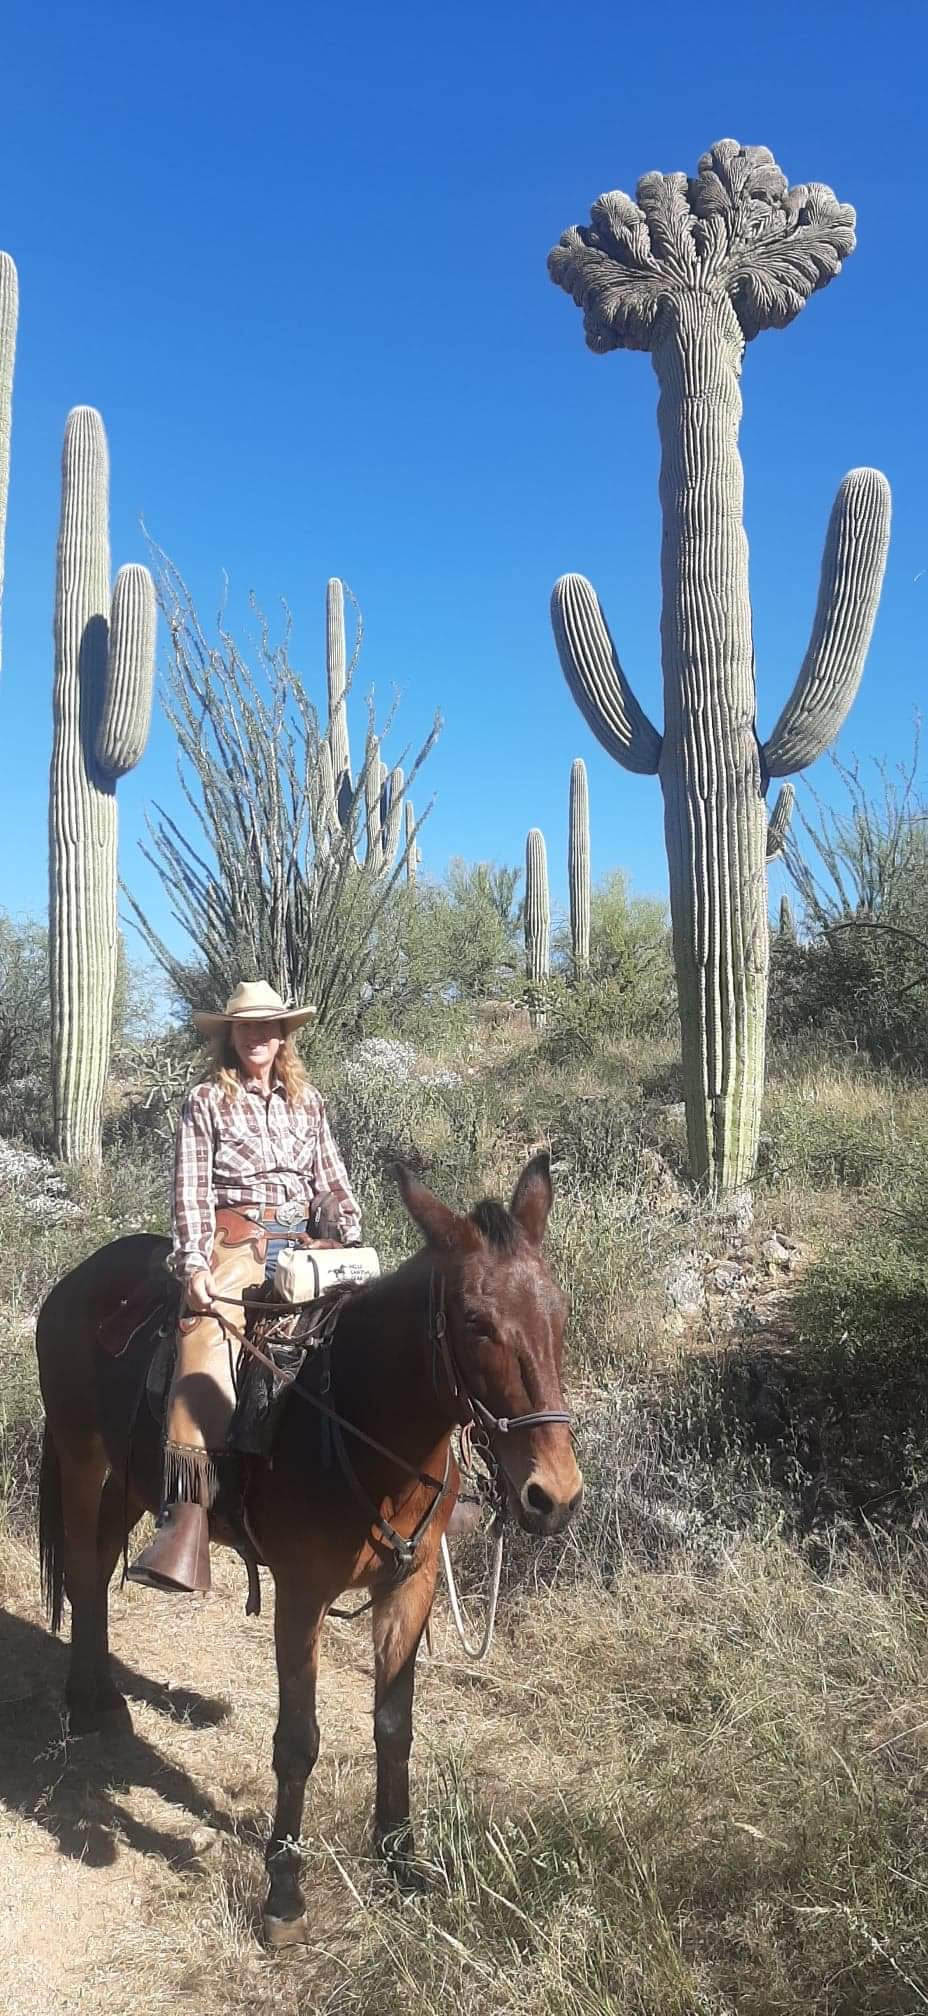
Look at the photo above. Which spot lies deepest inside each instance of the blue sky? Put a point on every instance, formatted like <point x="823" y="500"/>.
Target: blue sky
<point x="296" y="255"/>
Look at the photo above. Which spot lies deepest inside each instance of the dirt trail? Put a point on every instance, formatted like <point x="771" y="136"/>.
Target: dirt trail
<point x="89" y="1829"/>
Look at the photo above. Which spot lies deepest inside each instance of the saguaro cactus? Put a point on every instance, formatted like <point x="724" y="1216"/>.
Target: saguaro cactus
<point x="413" y="856"/>
<point x="578" y="866"/>
<point x="104" y="672"/>
<point x="337" y="676"/>
<point x="9" y="310"/>
<point x="537" y="924"/>
<point x="787" y="922"/>
<point x="691" y="272"/>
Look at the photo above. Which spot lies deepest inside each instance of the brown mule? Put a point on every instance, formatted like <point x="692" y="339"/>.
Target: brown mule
<point x="471" y="1328"/>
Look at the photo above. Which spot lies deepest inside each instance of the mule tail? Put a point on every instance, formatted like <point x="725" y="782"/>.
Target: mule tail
<point x="51" y="1531"/>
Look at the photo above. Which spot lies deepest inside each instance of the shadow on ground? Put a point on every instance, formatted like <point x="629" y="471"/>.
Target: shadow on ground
<point x="76" y="1789"/>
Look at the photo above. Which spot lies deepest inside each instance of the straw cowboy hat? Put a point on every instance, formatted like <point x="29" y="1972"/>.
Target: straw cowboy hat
<point x="252" y="1001"/>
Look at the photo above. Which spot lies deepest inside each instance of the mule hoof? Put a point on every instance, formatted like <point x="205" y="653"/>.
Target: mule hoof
<point x="280" y="1932"/>
<point x="100" y="1715"/>
<point x="410" y="1877"/>
<point x="113" y="1711"/>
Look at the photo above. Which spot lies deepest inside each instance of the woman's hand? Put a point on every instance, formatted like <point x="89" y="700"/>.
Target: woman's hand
<point x="201" y="1292"/>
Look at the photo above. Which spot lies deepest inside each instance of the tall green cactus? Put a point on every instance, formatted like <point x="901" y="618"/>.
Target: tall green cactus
<point x="9" y="309"/>
<point x="691" y="272"/>
<point x="537" y="925"/>
<point x="104" y="672"/>
<point x="337" y="676"/>
<point x="334" y="791"/>
<point x="413" y="856"/>
<point x="578" y="866"/>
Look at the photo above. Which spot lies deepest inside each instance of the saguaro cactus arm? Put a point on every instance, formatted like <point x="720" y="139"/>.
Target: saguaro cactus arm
<point x="130" y="675"/>
<point x="853" y="564"/>
<point x="778" y="824"/>
<point x="9" y="311"/>
<point x="594" y="674"/>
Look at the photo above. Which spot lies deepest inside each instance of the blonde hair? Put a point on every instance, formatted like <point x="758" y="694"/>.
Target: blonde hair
<point x="225" y="1069"/>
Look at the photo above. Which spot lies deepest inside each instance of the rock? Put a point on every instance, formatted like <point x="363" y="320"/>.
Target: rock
<point x="684" y="1285"/>
<point x="736" y="1210"/>
<point x="727" y="1278"/>
<point x="776" y="1252"/>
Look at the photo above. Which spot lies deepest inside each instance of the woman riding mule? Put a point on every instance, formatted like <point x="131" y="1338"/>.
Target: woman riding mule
<point x="470" y="1330"/>
<point x="255" y="1166"/>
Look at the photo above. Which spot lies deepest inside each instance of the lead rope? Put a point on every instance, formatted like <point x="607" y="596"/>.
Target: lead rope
<point x="476" y="1653"/>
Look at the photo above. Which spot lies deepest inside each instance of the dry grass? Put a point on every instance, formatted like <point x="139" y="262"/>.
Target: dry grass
<point x="702" y="1797"/>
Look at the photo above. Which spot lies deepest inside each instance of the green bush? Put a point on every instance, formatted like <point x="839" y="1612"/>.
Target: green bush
<point x="858" y="975"/>
<point x="439" y="947"/>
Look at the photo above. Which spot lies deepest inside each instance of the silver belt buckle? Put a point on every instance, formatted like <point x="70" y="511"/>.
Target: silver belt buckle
<point x="289" y="1213"/>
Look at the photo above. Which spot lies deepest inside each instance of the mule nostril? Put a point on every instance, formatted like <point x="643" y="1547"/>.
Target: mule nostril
<point x="539" y="1500"/>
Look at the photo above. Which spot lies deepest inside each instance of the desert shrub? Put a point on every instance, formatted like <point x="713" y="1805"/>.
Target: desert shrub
<point x="858" y="974"/>
<point x="24" y="999"/>
<point x="440" y="947"/>
<point x="629" y="986"/>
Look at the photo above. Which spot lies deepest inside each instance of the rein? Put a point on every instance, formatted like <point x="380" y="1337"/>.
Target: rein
<point x="474" y="1413"/>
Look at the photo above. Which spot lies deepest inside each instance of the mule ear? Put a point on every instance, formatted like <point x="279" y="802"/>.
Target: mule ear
<point x="533" y="1197"/>
<point x="436" y="1221"/>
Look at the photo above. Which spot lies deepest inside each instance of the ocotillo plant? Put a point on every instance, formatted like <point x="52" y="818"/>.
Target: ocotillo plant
<point x="578" y="866"/>
<point x="537" y="925"/>
<point x="9" y="308"/>
<point x="272" y="882"/>
<point x="691" y="272"/>
<point x="104" y="671"/>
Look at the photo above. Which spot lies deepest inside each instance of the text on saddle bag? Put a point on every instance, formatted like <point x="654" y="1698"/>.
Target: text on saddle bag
<point x="303" y="1275"/>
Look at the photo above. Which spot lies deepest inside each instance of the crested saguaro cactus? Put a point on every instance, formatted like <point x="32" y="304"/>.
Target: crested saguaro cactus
<point x="104" y="672"/>
<point x="9" y="310"/>
<point x="537" y="924"/>
<point x="578" y="866"/>
<point x="692" y="271"/>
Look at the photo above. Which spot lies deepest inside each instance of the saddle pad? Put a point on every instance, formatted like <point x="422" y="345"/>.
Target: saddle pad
<point x="303" y="1275"/>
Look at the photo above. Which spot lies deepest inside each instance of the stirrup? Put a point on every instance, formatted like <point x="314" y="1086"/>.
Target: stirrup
<point x="177" y="1559"/>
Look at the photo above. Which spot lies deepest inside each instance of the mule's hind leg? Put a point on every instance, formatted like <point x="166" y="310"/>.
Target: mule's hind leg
<point x="83" y="1472"/>
<point x="298" y="1618"/>
<point x="120" y="1510"/>
<point x="399" y="1619"/>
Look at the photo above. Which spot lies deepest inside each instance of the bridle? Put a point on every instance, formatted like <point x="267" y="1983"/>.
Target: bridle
<point x="477" y="1421"/>
<point x="475" y="1411"/>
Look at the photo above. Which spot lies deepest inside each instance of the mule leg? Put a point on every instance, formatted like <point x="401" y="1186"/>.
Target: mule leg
<point x="119" y="1512"/>
<point x="399" y="1619"/>
<point x="298" y="1619"/>
<point x="82" y="1478"/>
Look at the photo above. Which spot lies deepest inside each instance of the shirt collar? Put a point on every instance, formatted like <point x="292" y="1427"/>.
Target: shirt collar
<point x="254" y="1085"/>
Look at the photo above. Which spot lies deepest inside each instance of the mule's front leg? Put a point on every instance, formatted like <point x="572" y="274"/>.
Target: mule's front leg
<point x="399" y="1620"/>
<point x="297" y="1625"/>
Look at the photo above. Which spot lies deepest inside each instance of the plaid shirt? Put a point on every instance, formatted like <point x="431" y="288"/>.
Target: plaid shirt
<point x="252" y="1151"/>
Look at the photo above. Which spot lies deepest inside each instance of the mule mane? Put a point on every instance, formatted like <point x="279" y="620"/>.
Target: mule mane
<point x="496" y="1224"/>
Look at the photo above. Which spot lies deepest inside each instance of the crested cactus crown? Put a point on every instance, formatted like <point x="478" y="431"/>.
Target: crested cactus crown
<point x="735" y="230"/>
